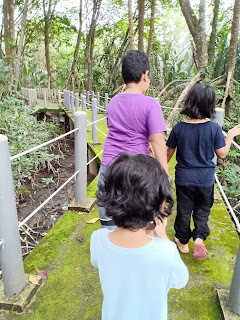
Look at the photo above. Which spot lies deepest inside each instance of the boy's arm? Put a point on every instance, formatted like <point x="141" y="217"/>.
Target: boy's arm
<point x="170" y="153"/>
<point x="222" y="152"/>
<point x="159" y="148"/>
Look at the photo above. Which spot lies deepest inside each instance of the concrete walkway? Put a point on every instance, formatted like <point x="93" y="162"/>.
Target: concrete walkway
<point x="73" y="291"/>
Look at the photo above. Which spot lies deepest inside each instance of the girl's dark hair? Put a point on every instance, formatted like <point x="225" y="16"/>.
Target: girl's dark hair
<point x="200" y="102"/>
<point x="134" y="64"/>
<point x="135" y="187"/>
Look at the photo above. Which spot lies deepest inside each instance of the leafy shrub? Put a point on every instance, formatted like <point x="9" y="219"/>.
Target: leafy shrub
<point x="18" y="122"/>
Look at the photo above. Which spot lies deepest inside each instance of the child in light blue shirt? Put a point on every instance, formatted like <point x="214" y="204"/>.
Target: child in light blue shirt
<point x="137" y="266"/>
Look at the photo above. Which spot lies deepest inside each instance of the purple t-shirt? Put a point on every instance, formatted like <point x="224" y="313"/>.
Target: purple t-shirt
<point x="131" y="119"/>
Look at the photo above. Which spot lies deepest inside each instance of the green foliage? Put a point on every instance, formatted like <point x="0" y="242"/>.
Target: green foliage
<point x="18" y="122"/>
<point x="5" y="77"/>
<point x="229" y="177"/>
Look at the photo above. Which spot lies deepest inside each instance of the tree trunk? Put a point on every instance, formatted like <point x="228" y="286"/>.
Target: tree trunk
<point x="90" y="41"/>
<point x="9" y="29"/>
<point x="20" y="45"/>
<point x="47" y="53"/>
<point x="140" y="25"/>
<point x="130" y="21"/>
<point x="201" y="44"/>
<point x="75" y="57"/>
<point x="120" y="53"/>
<point x="211" y="45"/>
<point x="197" y="29"/>
<point x="48" y="17"/>
<point x="232" y="56"/>
<point x="234" y="37"/>
<point x="151" y="29"/>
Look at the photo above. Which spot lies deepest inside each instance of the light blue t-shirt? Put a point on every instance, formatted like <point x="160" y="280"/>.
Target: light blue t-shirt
<point x="135" y="282"/>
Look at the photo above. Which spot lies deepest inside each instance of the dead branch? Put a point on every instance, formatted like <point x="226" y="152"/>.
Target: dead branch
<point x="169" y="84"/>
<point x="173" y="91"/>
<point x="181" y="98"/>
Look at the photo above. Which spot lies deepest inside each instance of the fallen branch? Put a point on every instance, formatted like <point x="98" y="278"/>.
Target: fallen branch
<point x="169" y="84"/>
<point x="181" y="98"/>
<point x="173" y="91"/>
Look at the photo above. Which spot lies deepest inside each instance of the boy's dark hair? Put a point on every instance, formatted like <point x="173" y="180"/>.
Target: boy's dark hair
<point x="200" y="102"/>
<point x="135" y="187"/>
<point x="134" y="64"/>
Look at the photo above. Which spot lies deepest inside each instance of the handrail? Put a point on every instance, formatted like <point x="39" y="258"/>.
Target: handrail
<point x="101" y="132"/>
<point x="42" y="145"/>
<point x="94" y="157"/>
<point x="99" y="108"/>
<point x="47" y="200"/>
<point x="233" y="142"/>
<point x="228" y="204"/>
<point x="96" y="121"/>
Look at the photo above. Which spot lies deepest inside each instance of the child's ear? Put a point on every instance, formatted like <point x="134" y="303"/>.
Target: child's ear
<point x="146" y="76"/>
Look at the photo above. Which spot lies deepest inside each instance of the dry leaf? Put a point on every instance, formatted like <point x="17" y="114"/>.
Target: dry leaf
<point x="33" y="279"/>
<point x="94" y="220"/>
<point x="29" y="311"/>
<point x="77" y="268"/>
<point x="80" y="239"/>
<point x="42" y="274"/>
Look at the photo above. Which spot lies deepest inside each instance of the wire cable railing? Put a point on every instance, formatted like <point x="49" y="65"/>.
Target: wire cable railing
<point x="42" y="145"/>
<point x="91" y="123"/>
<point x="46" y="201"/>
<point x="228" y="204"/>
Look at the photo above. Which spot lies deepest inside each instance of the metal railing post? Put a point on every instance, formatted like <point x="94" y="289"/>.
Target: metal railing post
<point x="219" y="118"/>
<point x="80" y="142"/>
<point x="65" y="98"/>
<point x="72" y="102"/>
<point x="10" y="250"/>
<point x="59" y="98"/>
<point x="234" y="295"/>
<point x="83" y="103"/>
<point x="94" y="118"/>
<point x="68" y="101"/>
<point x="98" y="102"/>
<point x="106" y="100"/>
<point x="77" y="101"/>
<point x="88" y="98"/>
<point x="45" y="98"/>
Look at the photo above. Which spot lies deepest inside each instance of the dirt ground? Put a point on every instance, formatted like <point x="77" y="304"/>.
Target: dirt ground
<point x="45" y="219"/>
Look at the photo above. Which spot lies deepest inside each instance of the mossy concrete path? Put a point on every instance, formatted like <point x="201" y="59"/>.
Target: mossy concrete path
<point x="73" y="292"/>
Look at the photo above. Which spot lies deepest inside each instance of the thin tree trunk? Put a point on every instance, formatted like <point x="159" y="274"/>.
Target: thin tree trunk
<point x="197" y="29"/>
<point x="140" y="25"/>
<point x="90" y="41"/>
<point x="130" y="21"/>
<point x="211" y="45"/>
<point x="76" y="52"/>
<point x="20" y="45"/>
<point x="120" y="53"/>
<point x="48" y="17"/>
<point x="232" y="56"/>
<point x="151" y="29"/>
<point x="202" y="48"/>
<point x="8" y="7"/>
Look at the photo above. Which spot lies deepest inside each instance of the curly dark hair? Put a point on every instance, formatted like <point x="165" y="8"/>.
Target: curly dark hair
<point x="200" y="102"/>
<point x="135" y="188"/>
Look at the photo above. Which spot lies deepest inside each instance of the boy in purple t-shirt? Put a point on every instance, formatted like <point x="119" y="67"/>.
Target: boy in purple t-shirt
<point x="133" y="119"/>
